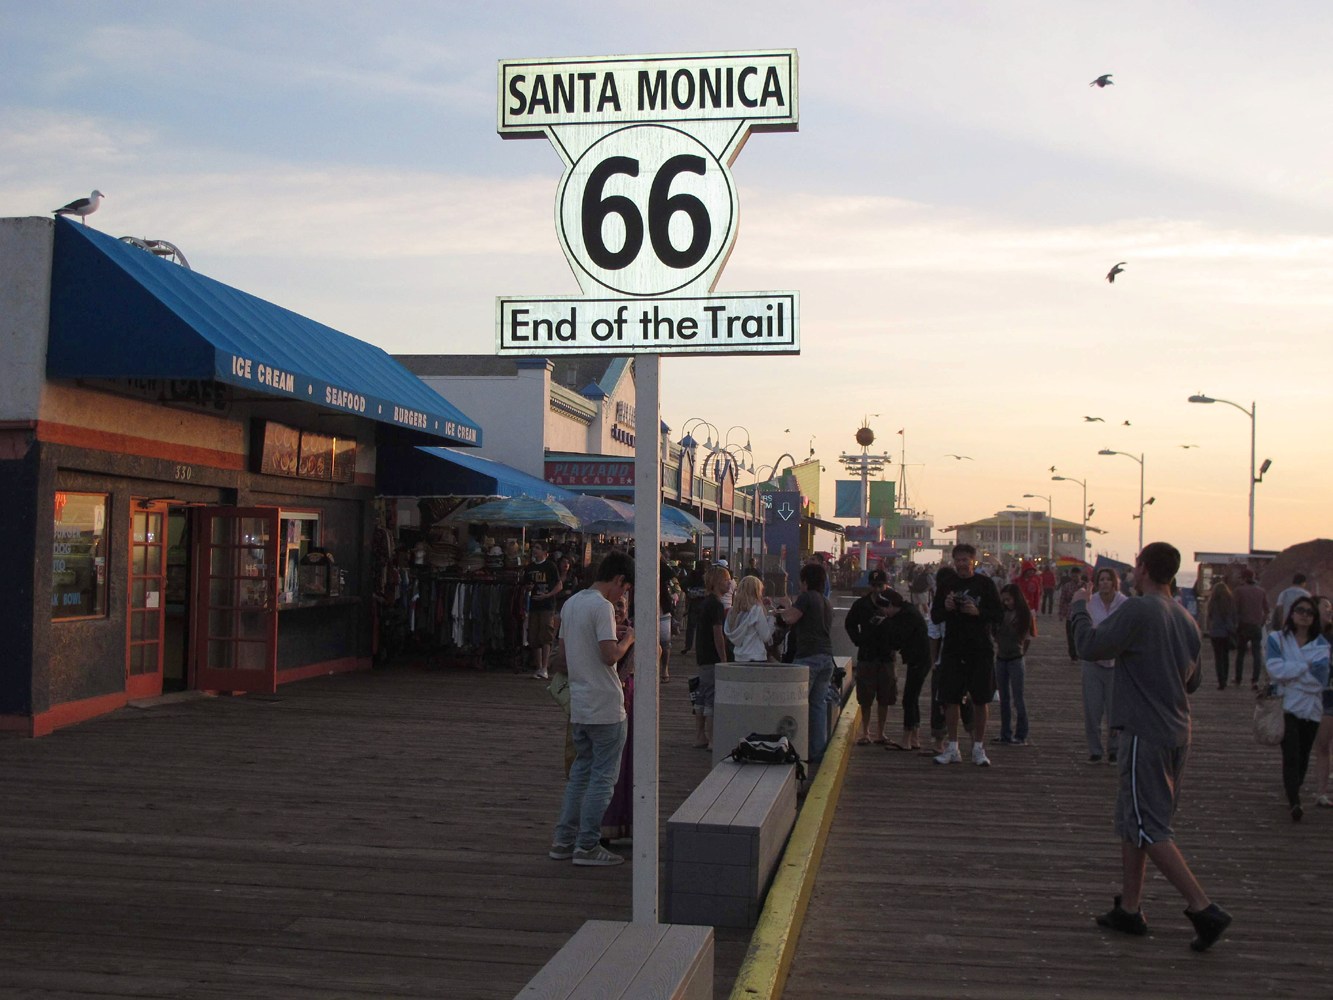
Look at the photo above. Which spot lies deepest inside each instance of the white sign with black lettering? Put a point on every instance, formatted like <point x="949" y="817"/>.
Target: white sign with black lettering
<point x="647" y="210"/>
<point x="728" y="323"/>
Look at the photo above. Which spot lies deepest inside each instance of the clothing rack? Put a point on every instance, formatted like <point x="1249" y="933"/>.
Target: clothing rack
<point x="474" y="621"/>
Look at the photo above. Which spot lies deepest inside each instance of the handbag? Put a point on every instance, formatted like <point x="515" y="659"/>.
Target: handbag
<point x="1269" y="723"/>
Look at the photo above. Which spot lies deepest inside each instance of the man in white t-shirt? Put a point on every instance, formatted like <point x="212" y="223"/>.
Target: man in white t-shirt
<point x="596" y="711"/>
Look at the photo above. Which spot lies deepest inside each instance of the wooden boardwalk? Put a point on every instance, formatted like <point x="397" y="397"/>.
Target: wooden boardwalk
<point x="384" y="835"/>
<point x="377" y="835"/>
<point x="962" y="882"/>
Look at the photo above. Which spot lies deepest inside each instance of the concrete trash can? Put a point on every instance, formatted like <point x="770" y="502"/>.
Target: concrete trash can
<point x="760" y="698"/>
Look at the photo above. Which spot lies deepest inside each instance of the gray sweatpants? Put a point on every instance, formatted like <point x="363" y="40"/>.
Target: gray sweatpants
<point x="1097" y="682"/>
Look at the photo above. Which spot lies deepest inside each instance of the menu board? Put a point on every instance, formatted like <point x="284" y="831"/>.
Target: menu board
<point x="287" y="451"/>
<point x="316" y="456"/>
<point x="280" y="449"/>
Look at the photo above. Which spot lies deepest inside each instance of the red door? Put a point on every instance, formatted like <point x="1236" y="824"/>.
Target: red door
<point x="148" y="577"/>
<point x="236" y="609"/>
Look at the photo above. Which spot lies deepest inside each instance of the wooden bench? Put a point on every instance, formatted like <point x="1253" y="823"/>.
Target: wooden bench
<point x="724" y="842"/>
<point x="613" y="960"/>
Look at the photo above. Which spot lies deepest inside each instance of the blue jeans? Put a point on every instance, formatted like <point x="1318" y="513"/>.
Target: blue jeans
<point x="1009" y="676"/>
<point x="592" y="780"/>
<point x="821" y="672"/>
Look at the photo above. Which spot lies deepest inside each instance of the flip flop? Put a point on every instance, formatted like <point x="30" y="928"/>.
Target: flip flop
<point x="863" y="741"/>
<point x="894" y="745"/>
<point x="878" y="740"/>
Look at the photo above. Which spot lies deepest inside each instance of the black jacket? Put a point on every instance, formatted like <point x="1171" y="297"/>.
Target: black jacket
<point x="964" y="631"/>
<point x="869" y="635"/>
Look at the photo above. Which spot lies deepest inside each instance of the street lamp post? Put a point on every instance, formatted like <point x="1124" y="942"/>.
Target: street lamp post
<point x="1083" y="540"/>
<point x="1050" y="524"/>
<point x="746" y="453"/>
<point x="1014" y="506"/>
<point x="689" y="442"/>
<point x="1254" y="479"/>
<point x="1139" y="459"/>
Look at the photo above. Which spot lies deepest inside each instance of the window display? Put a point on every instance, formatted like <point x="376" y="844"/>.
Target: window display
<point x="78" y="559"/>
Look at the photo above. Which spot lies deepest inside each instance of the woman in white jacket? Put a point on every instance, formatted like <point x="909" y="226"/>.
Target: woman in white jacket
<point x="748" y="626"/>
<point x="1297" y="659"/>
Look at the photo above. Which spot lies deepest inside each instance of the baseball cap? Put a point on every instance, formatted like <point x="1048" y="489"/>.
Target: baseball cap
<point x="877" y="576"/>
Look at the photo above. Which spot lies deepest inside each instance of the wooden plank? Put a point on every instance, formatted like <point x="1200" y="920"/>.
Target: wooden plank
<point x="967" y="882"/>
<point x="568" y="969"/>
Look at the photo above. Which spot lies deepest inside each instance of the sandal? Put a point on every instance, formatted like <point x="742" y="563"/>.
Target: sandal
<point x="863" y="741"/>
<point x="894" y="745"/>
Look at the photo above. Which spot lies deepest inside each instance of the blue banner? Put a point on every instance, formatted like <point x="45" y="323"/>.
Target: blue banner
<point x="849" y="500"/>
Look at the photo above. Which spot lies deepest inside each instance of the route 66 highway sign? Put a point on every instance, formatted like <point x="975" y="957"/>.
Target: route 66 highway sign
<point x="647" y="210"/>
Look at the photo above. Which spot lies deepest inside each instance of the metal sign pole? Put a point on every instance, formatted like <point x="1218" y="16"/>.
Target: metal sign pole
<point x="647" y="536"/>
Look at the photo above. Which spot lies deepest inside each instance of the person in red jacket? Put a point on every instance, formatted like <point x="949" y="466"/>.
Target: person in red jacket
<point x="1048" y="585"/>
<point x="1030" y="584"/>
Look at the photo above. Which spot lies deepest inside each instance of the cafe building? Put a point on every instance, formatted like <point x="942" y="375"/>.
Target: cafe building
<point x="189" y="480"/>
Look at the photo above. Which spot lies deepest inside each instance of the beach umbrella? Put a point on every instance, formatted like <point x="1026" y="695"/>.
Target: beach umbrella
<point x="517" y="512"/>
<point x="602" y="516"/>
<point x="683" y="518"/>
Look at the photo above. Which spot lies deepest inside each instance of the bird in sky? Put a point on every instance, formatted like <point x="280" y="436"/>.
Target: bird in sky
<point x="82" y="207"/>
<point x="1094" y="420"/>
<point x="1052" y="468"/>
<point x="1110" y="275"/>
<point x="1126" y="424"/>
<point x="1102" y="81"/>
<point x="1189" y="446"/>
<point x="959" y="457"/>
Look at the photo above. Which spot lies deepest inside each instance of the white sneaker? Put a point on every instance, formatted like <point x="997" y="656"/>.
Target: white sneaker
<point x="950" y="755"/>
<point x="979" y="757"/>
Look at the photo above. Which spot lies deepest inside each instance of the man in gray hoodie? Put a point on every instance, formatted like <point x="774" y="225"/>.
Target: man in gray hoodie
<point x="1156" y="646"/>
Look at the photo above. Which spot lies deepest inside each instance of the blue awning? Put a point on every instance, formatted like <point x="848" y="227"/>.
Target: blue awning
<point x="118" y="312"/>
<point x="436" y="472"/>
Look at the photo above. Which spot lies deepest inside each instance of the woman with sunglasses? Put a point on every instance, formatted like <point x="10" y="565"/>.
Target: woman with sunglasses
<point x="1298" y="659"/>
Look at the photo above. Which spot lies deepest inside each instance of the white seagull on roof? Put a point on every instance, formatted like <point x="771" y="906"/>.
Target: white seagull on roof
<point x="82" y="207"/>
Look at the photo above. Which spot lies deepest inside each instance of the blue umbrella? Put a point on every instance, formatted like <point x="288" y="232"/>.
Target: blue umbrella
<point x="517" y="512"/>
<point x="683" y="518"/>
<point x="603" y="516"/>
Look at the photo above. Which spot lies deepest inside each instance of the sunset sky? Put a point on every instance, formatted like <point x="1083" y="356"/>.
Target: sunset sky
<point x="948" y="210"/>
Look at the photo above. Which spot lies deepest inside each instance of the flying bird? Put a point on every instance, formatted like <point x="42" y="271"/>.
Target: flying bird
<point x="959" y="457"/>
<point x="1110" y="275"/>
<point x="1052" y="468"/>
<point x="1126" y="424"/>
<point x="1102" y="81"/>
<point x="82" y="207"/>
<point x="1189" y="446"/>
<point x="1094" y="420"/>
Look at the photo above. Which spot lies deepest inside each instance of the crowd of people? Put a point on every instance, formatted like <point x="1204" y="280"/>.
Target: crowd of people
<point x="1139" y="653"/>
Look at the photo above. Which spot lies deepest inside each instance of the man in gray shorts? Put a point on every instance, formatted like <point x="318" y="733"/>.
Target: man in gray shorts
<point x="1156" y="646"/>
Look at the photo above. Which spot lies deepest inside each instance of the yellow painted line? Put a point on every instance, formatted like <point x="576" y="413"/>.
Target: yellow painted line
<point x="763" y="973"/>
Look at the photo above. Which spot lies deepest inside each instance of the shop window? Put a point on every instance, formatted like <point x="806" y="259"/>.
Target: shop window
<point x="298" y="534"/>
<point x="78" y="558"/>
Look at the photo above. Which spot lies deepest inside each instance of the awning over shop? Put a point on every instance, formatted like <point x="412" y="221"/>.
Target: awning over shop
<point x="438" y="472"/>
<point x="118" y="312"/>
